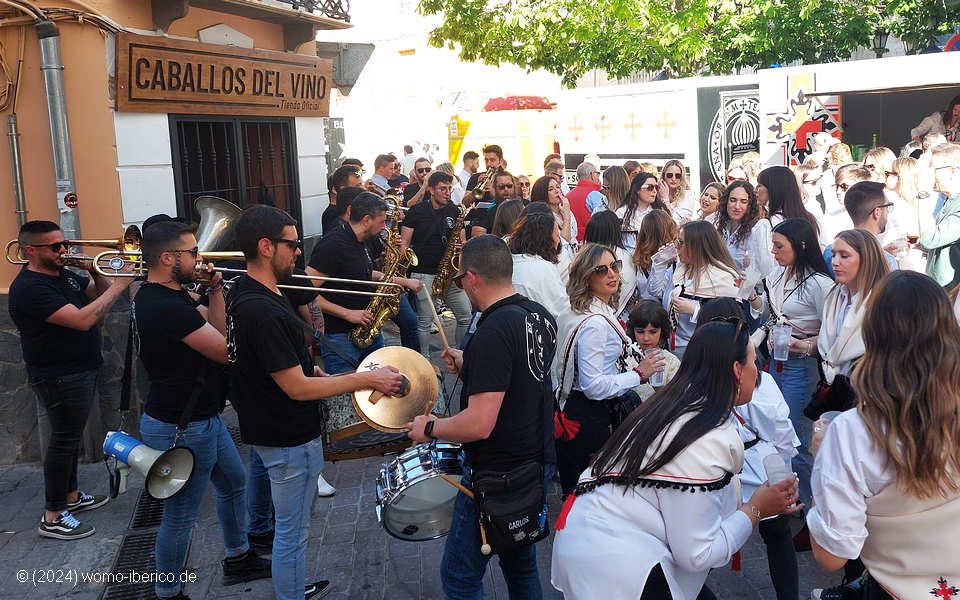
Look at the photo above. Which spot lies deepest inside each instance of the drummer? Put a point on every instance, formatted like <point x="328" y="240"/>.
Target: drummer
<point x="275" y="389"/>
<point x="502" y="368"/>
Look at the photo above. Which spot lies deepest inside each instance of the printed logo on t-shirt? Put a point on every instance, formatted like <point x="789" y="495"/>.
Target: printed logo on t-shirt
<point x="451" y="222"/>
<point x="74" y="285"/>
<point x="541" y="334"/>
<point x="231" y="340"/>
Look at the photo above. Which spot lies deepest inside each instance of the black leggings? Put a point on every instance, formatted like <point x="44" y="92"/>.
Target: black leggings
<point x="573" y="456"/>
<point x="781" y="556"/>
<point x="657" y="588"/>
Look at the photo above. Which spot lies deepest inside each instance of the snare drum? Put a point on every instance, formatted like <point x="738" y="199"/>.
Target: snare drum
<point x="413" y="502"/>
<point x="346" y="436"/>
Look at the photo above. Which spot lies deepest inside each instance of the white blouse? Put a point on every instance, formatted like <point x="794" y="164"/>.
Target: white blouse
<point x="800" y="305"/>
<point x="598" y="348"/>
<point x="539" y="280"/>
<point x="848" y="469"/>
<point x="759" y="243"/>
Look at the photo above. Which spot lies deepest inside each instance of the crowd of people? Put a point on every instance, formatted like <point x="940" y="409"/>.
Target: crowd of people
<point x="687" y="366"/>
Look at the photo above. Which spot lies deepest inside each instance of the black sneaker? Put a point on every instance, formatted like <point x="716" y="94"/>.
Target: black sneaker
<point x="87" y="502"/>
<point x="246" y="567"/>
<point x="262" y="542"/>
<point x="845" y="591"/>
<point x="317" y="589"/>
<point x="66" y="527"/>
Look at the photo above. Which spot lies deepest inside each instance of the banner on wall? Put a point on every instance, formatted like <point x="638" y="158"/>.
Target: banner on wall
<point x="733" y="115"/>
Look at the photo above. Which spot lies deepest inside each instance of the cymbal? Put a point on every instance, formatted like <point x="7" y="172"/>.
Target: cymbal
<point x="392" y="413"/>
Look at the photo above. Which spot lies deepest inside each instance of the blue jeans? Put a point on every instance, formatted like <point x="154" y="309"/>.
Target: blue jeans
<point x="333" y="364"/>
<point x="215" y="459"/>
<point x="67" y="401"/>
<point x="293" y="486"/>
<point x="259" y="503"/>
<point x="406" y="320"/>
<point x="463" y="566"/>
<point x="455" y="298"/>
<point x="797" y="381"/>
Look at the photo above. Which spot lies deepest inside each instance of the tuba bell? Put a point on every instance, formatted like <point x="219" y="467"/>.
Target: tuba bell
<point x="217" y="220"/>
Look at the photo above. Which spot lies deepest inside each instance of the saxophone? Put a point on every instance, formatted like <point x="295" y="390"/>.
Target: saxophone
<point x="450" y="261"/>
<point x="395" y="264"/>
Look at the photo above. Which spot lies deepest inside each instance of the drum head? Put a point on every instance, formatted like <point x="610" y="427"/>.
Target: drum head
<point x="423" y="511"/>
<point x="392" y="413"/>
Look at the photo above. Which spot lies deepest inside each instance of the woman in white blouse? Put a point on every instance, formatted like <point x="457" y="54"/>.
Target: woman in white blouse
<point x="604" y="228"/>
<point x="640" y="200"/>
<point x="705" y="270"/>
<point x="886" y="483"/>
<point x="794" y="295"/>
<point x="675" y="191"/>
<point x="657" y="230"/>
<point x="590" y="368"/>
<point x="534" y="245"/>
<point x="632" y="529"/>
<point x="746" y="232"/>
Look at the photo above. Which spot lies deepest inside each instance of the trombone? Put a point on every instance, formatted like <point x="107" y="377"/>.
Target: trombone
<point x="128" y="242"/>
<point x="117" y="260"/>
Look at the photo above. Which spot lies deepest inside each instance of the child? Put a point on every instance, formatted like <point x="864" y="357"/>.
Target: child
<point x="649" y="326"/>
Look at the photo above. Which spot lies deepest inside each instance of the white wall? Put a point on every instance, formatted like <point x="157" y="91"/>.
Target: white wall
<point x="312" y="164"/>
<point x="144" y="166"/>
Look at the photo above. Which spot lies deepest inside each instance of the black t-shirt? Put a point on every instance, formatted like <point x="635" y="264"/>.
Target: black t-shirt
<point x="473" y="182"/>
<point x="512" y="351"/>
<point x="431" y="233"/>
<point x="481" y="215"/>
<point x="265" y="335"/>
<point x="340" y="254"/>
<point x="329" y="218"/>
<point x="411" y="190"/>
<point x="51" y="350"/>
<point x="163" y="318"/>
<point x="298" y="298"/>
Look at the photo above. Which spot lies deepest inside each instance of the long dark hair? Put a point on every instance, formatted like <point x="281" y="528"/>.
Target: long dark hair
<point x="604" y="228"/>
<point x="807" y="259"/>
<point x="949" y="112"/>
<point x="704" y="385"/>
<point x="534" y="235"/>
<point x="785" y="196"/>
<point x="650" y="312"/>
<point x="656" y="229"/>
<point x="539" y="190"/>
<point x="633" y="199"/>
<point x="749" y="219"/>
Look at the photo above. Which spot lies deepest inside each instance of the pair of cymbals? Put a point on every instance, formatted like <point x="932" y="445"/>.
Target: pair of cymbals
<point x="418" y="395"/>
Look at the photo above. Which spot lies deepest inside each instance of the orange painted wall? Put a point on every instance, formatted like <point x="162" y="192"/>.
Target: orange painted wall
<point x="90" y="114"/>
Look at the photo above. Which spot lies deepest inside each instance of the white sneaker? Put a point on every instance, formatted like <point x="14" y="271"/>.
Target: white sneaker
<point x="324" y="489"/>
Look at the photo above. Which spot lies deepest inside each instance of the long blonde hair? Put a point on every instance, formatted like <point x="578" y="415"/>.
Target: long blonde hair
<point x="908" y="174"/>
<point x="873" y="264"/>
<point x="879" y="161"/>
<point x="908" y="382"/>
<point x="676" y="194"/>
<point x="578" y="286"/>
<point x="706" y="249"/>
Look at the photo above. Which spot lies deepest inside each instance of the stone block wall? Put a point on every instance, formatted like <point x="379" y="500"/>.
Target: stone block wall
<point x="23" y="426"/>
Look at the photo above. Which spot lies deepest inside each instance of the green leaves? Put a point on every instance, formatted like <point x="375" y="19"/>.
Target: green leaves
<point x="687" y="37"/>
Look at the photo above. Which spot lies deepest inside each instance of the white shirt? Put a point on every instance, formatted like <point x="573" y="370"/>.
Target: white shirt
<point x="464" y="176"/>
<point x="406" y="164"/>
<point x="800" y="305"/>
<point x="848" y="469"/>
<point x="598" y="348"/>
<point x="456" y="194"/>
<point x="539" y="280"/>
<point x="759" y="244"/>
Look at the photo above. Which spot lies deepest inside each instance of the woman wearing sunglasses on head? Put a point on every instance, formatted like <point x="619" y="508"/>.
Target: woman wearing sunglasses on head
<point x="704" y="270"/>
<point x="591" y="365"/>
<point x="658" y="507"/>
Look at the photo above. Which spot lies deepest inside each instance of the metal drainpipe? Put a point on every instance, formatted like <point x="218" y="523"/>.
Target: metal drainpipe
<point x="17" y="167"/>
<point x="52" y="68"/>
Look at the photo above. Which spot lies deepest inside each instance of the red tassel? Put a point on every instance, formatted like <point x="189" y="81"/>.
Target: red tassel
<point x="564" y="511"/>
<point x="735" y="563"/>
<point x="564" y="428"/>
<point x="766" y="367"/>
<point x="673" y="341"/>
<point x="779" y="366"/>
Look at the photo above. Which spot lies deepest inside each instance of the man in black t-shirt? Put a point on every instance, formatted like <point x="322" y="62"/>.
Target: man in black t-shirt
<point x="411" y="192"/>
<point x="506" y="416"/>
<point x="481" y="217"/>
<point x="58" y="313"/>
<point x="427" y="228"/>
<point x="275" y="388"/>
<point x="182" y="346"/>
<point x="493" y="160"/>
<point x="343" y="254"/>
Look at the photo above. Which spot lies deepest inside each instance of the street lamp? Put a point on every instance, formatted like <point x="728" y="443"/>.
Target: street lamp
<point x="880" y="42"/>
<point x="910" y="47"/>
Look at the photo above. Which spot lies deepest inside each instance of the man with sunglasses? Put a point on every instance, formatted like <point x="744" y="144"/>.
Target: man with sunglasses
<point x="479" y="219"/>
<point x="58" y="314"/>
<point x="416" y="190"/>
<point x="182" y="346"/>
<point x="275" y="387"/>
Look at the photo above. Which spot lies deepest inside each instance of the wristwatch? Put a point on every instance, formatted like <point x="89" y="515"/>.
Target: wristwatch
<point x="428" y="429"/>
<point x="754" y="511"/>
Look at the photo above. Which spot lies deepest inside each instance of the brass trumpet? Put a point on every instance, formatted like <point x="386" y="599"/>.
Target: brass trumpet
<point x="117" y="260"/>
<point x="128" y="242"/>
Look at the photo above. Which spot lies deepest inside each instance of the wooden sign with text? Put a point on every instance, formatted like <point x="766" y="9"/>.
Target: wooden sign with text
<point x="163" y="75"/>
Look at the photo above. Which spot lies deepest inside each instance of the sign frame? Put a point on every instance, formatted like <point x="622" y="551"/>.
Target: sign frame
<point x="261" y="82"/>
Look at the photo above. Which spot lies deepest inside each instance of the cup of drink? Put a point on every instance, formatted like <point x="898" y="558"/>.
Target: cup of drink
<point x="781" y="341"/>
<point x="830" y="415"/>
<point x="656" y="378"/>
<point x="665" y="254"/>
<point x="913" y="239"/>
<point x="776" y="467"/>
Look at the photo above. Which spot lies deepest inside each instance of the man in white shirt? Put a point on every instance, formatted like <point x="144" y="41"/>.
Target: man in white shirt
<point x="470" y="161"/>
<point x="406" y="163"/>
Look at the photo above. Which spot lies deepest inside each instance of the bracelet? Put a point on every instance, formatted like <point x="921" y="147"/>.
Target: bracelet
<point x="213" y="289"/>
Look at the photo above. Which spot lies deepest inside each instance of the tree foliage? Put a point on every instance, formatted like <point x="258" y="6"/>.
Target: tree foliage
<point x="685" y="37"/>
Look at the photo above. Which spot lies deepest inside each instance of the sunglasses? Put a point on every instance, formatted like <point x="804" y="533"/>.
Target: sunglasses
<point x="424" y="170"/>
<point x="604" y="269"/>
<point x="672" y="175"/>
<point x="891" y="174"/>
<point x="505" y="186"/>
<point x="55" y="246"/>
<point x="650" y="188"/>
<point x="292" y="244"/>
<point x="458" y="279"/>
<point x="842" y="186"/>
<point x="194" y="252"/>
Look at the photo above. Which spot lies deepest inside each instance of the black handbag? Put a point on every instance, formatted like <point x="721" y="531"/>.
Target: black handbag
<point x="838" y="395"/>
<point x="512" y="506"/>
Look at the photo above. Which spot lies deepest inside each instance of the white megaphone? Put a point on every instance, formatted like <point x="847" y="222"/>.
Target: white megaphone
<point x="166" y="472"/>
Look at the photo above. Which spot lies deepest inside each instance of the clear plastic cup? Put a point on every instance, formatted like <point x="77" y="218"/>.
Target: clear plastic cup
<point x="830" y="415"/>
<point x="781" y="341"/>
<point x="776" y="468"/>
<point x="656" y="378"/>
<point x="666" y="254"/>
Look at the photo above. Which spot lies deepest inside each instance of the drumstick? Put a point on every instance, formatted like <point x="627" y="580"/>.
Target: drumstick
<point x="436" y="319"/>
<point x="484" y="546"/>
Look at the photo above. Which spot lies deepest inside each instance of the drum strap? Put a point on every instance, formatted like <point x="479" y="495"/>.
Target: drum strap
<point x="325" y="341"/>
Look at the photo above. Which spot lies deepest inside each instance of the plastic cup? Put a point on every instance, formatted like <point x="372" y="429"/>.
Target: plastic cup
<point x="781" y="341"/>
<point x="776" y="468"/>
<point x="830" y="415"/>
<point x="656" y="379"/>
<point x="665" y="254"/>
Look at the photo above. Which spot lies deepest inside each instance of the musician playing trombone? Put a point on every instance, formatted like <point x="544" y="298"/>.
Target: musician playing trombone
<point x="275" y="388"/>
<point x="58" y="314"/>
